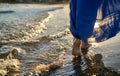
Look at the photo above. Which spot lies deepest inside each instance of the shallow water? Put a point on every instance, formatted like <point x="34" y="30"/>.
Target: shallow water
<point x="22" y="23"/>
<point x="23" y="12"/>
<point x="38" y="52"/>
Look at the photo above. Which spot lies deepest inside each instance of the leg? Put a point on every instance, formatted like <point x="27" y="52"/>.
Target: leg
<point x="76" y="47"/>
<point x="84" y="47"/>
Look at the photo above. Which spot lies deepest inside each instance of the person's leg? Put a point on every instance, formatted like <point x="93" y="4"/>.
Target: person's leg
<point x="76" y="41"/>
<point x="84" y="47"/>
<point x="76" y="47"/>
<point x="82" y="17"/>
<point x="86" y="13"/>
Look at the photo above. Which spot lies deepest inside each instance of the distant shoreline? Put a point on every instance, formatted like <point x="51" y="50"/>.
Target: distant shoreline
<point x="37" y="2"/>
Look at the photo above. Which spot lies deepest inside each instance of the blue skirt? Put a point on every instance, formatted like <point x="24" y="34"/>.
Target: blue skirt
<point x="83" y="16"/>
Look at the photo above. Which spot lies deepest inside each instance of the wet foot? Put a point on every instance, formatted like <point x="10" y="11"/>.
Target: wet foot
<point x="76" y="48"/>
<point x="84" y="47"/>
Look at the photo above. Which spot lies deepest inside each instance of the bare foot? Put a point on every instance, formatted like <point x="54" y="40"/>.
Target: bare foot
<point x="84" y="47"/>
<point x="76" y="47"/>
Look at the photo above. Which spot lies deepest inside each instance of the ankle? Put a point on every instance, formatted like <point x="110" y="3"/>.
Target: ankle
<point x="76" y="42"/>
<point x="84" y="44"/>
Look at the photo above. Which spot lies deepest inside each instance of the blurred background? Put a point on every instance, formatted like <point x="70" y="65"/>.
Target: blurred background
<point x="33" y="1"/>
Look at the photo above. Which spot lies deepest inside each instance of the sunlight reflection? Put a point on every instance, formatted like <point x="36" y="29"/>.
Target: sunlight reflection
<point x="96" y="25"/>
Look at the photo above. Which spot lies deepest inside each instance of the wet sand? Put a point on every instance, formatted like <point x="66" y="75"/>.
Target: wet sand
<point x="37" y="43"/>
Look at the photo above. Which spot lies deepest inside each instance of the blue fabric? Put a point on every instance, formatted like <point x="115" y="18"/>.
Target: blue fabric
<point x="109" y="29"/>
<point x="110" y="15"/>
<point x="83" y="16"/>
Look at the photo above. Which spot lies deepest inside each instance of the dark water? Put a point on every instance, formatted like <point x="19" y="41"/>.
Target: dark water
<point x="72" y="67"/>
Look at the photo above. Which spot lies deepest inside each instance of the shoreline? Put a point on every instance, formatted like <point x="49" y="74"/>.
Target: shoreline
<point x="14" y="50"/>
<point x="36" y="26"/>
<point x="37" y="55"/>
